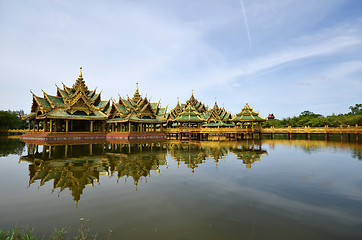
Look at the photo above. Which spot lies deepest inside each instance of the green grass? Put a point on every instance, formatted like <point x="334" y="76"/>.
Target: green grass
<point x="20" y="233"/>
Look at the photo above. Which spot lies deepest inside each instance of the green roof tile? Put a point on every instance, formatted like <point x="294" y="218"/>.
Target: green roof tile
<point x="57" y="101"/>
<point x="42" y="102"/>
<point x="62" y="113"/>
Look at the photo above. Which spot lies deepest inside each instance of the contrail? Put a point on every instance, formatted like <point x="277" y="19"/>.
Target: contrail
<point x="245" y="21"/>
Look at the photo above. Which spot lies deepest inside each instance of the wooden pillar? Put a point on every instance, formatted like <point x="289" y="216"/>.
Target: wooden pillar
<point x="341" y="136"/>
<point x="356" y="137"/>
<point x="309" y="136"/>
<point x="66" y="125"/>
<point x="43" y="152"/>
<point x="51" y="125"/>
<point x="91" y="126"/>
<point x="112" y="127"/>
<point x="44" y="125"/>
<point x="66" y="150"/>
<point x="50" y="152"/>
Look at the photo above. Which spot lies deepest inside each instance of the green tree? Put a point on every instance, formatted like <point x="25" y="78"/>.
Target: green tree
<point x="356" y="109"/>
<point x="11" y="120"/>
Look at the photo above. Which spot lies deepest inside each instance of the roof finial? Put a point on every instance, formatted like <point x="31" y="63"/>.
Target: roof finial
<point x="80" y="72"/>
<point x="136" y="86"/>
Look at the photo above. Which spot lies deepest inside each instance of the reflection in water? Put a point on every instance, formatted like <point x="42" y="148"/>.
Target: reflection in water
<point x="317" y="145"/>
<point x="10" y="146"/>
<point x="74" y="167"/>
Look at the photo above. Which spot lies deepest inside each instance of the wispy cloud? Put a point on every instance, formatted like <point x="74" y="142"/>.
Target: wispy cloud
<point x="286" y="56"/>
<point x="245" y="21"/>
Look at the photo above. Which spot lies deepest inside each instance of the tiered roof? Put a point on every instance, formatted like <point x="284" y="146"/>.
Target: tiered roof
<point x="137" y="109"/>
<point x="192" y="111"/>
<point x="218" y="117"/>
<point x="76" y="102"/>
<point x="189" y="114"/>
<point x="195" y="111"/>
<point x="247" y="115"/>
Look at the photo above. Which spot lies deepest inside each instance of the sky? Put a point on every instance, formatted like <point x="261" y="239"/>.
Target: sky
<point x="281" y="57"/>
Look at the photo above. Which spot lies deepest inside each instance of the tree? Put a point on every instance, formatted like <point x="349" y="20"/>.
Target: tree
<point x="356" y="109"/>
<point x="11" y="120"/>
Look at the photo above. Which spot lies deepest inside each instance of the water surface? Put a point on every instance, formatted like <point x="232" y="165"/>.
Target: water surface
<point x="270" y="189"/>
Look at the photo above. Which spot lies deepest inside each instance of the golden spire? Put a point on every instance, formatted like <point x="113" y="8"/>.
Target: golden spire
<point x="136" y="96"/>
<point x="80" y="73"/>
<point x="215" y="105"/>
<point x="80" y="83"/>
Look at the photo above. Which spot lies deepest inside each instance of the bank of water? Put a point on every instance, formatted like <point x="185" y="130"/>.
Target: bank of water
<point x="269" y="189"/>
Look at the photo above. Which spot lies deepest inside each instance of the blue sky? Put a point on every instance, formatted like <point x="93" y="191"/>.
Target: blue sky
<point x="279" y="56"/>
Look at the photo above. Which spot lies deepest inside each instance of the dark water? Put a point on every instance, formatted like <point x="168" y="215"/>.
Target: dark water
<point x="270" y="189"/>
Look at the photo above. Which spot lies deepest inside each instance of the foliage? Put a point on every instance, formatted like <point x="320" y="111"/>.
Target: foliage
<point x="356" y="109"/>
<point x="19" y="233"/>
<point x="12" y="120"/>
<point x="11" y="146"/>
<point x="308" y="118"/>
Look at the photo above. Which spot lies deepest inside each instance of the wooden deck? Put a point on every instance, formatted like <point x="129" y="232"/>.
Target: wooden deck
<point x="235" y="132"/>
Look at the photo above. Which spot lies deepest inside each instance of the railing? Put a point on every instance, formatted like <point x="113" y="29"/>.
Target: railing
<point x="349" y="129"/>
<point x="212" y="130"/>
<point x="15" y="131"/>
<point x="356" y="129"/>
<point x="256" y="129"/>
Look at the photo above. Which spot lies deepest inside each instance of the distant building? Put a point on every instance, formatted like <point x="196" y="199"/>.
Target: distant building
<point x="271" y="116"/>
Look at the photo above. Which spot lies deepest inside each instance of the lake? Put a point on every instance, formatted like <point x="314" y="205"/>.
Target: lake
<point x="262" y="189"/>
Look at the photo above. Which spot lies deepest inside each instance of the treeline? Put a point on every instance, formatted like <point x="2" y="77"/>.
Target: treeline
<point x="311" y="119"/>
<point x="12" y="120"/>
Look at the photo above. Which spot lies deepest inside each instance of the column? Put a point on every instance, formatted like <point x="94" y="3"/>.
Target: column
<point x="66" y="125"/>
<point x="91" y="126"/>
<point x="51" y="125"/>
<point x="66" y="150"/>
<point x="44" y="125"/>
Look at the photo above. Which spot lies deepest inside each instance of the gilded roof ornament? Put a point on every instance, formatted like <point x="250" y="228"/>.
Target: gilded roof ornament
<point x="136" y="96"/>
<point x="80" y="73"/>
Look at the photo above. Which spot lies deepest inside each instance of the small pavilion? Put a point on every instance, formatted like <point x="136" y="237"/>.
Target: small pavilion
<point x="73" y="109"/>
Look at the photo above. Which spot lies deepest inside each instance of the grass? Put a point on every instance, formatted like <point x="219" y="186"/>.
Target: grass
<point x="19" y="233"/>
